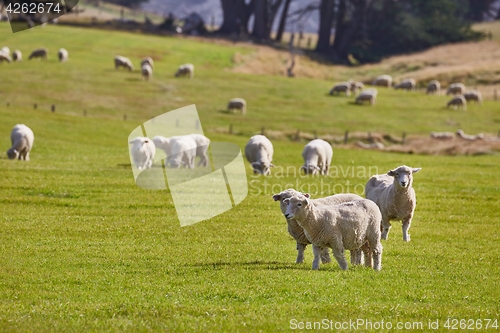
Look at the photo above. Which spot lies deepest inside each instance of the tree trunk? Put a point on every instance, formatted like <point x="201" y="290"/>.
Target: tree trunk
<point x="325" y="25"/>
<point x="282" y="24"/>
<point x="235" y="16"/>
<point x="260" y="22"/>
<point x="339" y="23"/>
<point x="273" y="8"/>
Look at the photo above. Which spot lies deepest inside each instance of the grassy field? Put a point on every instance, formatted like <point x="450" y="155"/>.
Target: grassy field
<point x="84" y="249"/>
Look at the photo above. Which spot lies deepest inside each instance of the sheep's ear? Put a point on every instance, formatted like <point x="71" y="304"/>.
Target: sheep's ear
<point x="415" y="170"/>
<point x="277" y="197"/>
<point x="391" y="173"/>
<point x="255" y="164"/>
<point x="305" y="201"/>
<point x="307" y="195"/>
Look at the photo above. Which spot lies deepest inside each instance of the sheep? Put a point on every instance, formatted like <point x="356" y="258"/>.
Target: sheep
<point x="469" y="137"/>
<point x="5" y="50"/>
<point x="350" y="225"/>
<point x="374" y="145"/>
<point x="383" y="80"/>
<point x="394" y="195"/>
<point x="259" y="152"/>
<point x="143" y="152"/>
<point x="355" y="86"/>
<point x="185" y="70"/>
<point x="5" y="57"/>
<point x="39" y="53"/>
<point x="237" y="103"/>
<point x="183" y="153"/>
<point x="202" y="143"/>
<point x="433" y="87"/>
<point x="17" y="56"/>
<point x="458" y="102"/>
<point x="456" y="89"/>
<point x="442" y="135"/>
<point x="473" y="95"/>
<point x="369" y="95"/>
<point x="147" y="72"/>
<point x="407" y="85"/>
<point x="147" y="60"/>
<point x="296" y="231"/>
<point x="123" y="62"/>
<point x="317" y="156"/>
<point x="343" y="87"/>
<point x="62" y="55"/>
<point x="22" y="139"/>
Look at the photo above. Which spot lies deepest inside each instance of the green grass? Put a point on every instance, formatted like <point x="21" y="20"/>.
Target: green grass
<point x="84" y="249"/>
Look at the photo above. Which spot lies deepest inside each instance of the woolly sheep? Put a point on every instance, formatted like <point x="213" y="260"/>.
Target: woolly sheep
<point x="343" y="87"/>
<point x="143" y="152"/>
<point x="456" y="89"/>
<point x="39" y="53"/>
<point x="123" y="62"/>
<point x="5" y="50"/>
<point x="17" y="56"/>
<point x="259" y="152"/>
<point x="237" y="103"/>
<point x="349" y="225"/>
<point x="394" y="195"/>
<point x="202" y="143"/>
<point x="469" y="137"/>
<point x="442" y="135"/>
<point x="458" y="102"/>
<point x="297" y="232"/>
<point x="407" y="85"/>
<point x="185" y="70"/>
<point x="5" y="57"/>
<point x="22" y="139"/>
<point x="147" y="72"/>
<point x="62" y="55"/>
<point x="147" y="60"/>
<point x="473" y="95"/>
<point x="433" y="87"/>
<point x="367" y="95"/>
<point x="383" y="80"/>
<point x="317" y="156"/>
<point x="183" y="153"/>
<point x="355" y="86"/>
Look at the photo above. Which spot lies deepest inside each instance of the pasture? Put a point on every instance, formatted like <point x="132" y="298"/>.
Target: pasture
<point x="84" y="249"/>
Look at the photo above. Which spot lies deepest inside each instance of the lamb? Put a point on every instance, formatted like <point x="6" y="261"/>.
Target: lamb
<point x="5" y="57"/>
<point x="185" y="70"/>
<point x="473" y="95"/>
<point x="456" y="89"/>
<point x="22" y="139"/>
<point x="442" y="135"/>
<point x="17" y="56"/>
<point x="433" y="87"/>
<point x="62" y="55"/>
<point x="259" y="152"/>
<point x="143" y="152"/>
<point x="407" y="85"/>
<point x="383" y="80"/>
<point x="202" y="143"/>
<point x="394" y="195"/>
<point x="296" y="231"/>
<point x="469" y="137"/>
<point x="350" y="225"/>
<point x="237" y="103"/>
<point x="343" y="87"/>
<point x="369" y="95"/>
<point x="183" y="153"/>
<point x="147" y="72"/>
<point x="123" y="62"/>
<point x="39" y="53"/>
<point x="147" y="60"/>
<point x="458" y="101"/>
<point x="317" y="156"/>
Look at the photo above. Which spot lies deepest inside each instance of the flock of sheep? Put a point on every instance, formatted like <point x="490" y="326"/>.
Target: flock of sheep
<point x="41" y="53"/>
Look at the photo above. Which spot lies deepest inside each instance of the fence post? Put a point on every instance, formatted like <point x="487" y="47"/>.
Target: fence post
<point x="346" y="137"/>
<point x="403" y="139"/>
<point x="263" y="130"/>
<point x="35" y="106"/>
<point x="297" y="135"/>
<point x="53" y="108"/>
<point x="124" y="117"/>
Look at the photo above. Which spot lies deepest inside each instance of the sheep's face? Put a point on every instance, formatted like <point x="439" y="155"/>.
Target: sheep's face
<point x="295" y="206"/>
<point x="12" y="154"/>
<point x="403" y="175"/>
<point x="262" y="168"/>
<point x="310" y="169"/>
<point x="287" y="194"/>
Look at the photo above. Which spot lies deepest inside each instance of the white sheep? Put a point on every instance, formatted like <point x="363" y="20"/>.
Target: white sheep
<point x="147" y="60"/>
<point x="297" y="232"/>
<point x="343" y="87"/>
<point x="22" y="139"/>
<point x="355" y="86"/>
<point x="143" y="152"/>
<point x="259" y="152"/>
<point x="202" y="143"/>
<point x="62" y="55"/>
<point x="39" y="53"/>
<point x="474" y="96"/>
<point x="456" y="89"/>
<point x="5" y="57"/>
<point x="458" y="101"/>
<point x="185" y="70"/>
<point x="367" y="95"/>
<point x="17" y="56"/>
<point x="383" y="80"/>
<point x="147" y="72"/>
<point x="407" y="85"/>
<point x="433" y="87"/>
<point x="374" y="145"/>
<point x="469" y="137"/>
<point x="442" y="135"/>
<point x="238" y="104"/>
<point x="183" y="153"/>
<point x="394" y="195"/>
<point x="350" y="226"/>
<point x="123" y="62"/>
<point x="5" y="50"/>
<point x="317" y="156"/>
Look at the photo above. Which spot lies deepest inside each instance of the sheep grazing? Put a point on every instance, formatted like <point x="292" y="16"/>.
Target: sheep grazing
<point x="433" y="87"/>
<point x="455" y="89"/>
<point x="147" y="72"/>
<point x="394" y="195"/>
<point x="259" y="152"/>
<point x="374" y="145"/>
<point x="148" y="61"/>
<point x="383" y="81"/>
<point x="5" y="57"/>
<point x="17" y="56"/>
<point x="62" y="55"/>
<point x="442" y="135"/>
<point x="407" y="85"/>
<point x="39" y="53"/>
<point x="297" y="232"/>
<point x="186" y="70"/>
<point x="183" y="153"/>
<point x="123" y="62"/>
<point x="343" y="87"/>
<point x="473" y="96"/>
<point x="352" y="225"/>
<point x="469" y="137"/>
<point x="317" y="156"/>
<point x="143" y="152"/>
<point x="238" y="104"/>
<point x="22" y="139"/>
<point x="202" y="143"/>
<point x="356" y="86"/>
<point x="458" y="102"/>
<point x="5" y="50"/>
<point x="367" y="95"/>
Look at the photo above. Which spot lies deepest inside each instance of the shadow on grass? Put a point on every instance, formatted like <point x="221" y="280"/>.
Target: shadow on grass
<point x="254" y="265"/>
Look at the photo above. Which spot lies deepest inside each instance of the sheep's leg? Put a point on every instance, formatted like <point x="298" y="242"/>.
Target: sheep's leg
<point x="338" y="252"/>
<point x="406" y="227"/>
<point x="355" y="257"/>
<point x="317" y="252"/>
<point x="385" y="227"/>
<point x="377" y="256"/>
<point x="365" y="249"/>
<point x="325" y="256"/>
<point x="300" y="253"/>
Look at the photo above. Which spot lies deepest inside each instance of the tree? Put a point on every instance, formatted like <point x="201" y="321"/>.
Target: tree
<point x="282" y="23"/>
<point x="264" y="14"/>
<point x="236" y="14"/>
<point x="325" y="25"/>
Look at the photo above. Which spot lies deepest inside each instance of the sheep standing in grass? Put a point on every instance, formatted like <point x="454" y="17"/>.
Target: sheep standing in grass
<point x="17" y="56"/>
<point x="317" y="156"/>
<point x="383" y="81"/>
<point x="259" y="152"/>
<point x="347" y="226"/>
<point x="458" y="102"/>
<point x="297" y="232"/>
<point x="433" y="87"/>
<point x="367" y="95"/>
<point x="455" y="89"/>
<point x="143" y="152"/>
<point x="22" y="139"/>
<point x="183" y="153"/>
<point x="394" y="195"/>
<point x="5" y="57"/>
<point x="356" y="86"/>
<point x="5" y="50"/>
<point x="474" y="96"/>
<point x="238" y="104"/>
<point x="202" y="143"/>
<point x="123" y="62"/>
<point x="147" y="60"/>
<point x="39" y="53"/>
<point x="147" y="72"/>
<point x="407" y="85"/>
<point x="343" y="87"/>
<point x="186" y="70"/>
<point x="62" y="55"/>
